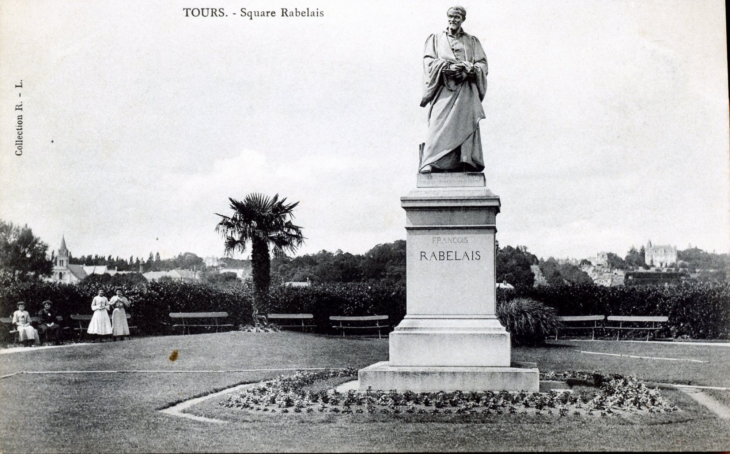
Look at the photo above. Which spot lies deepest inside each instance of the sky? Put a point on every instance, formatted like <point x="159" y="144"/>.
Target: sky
<point x="606" y="121"/>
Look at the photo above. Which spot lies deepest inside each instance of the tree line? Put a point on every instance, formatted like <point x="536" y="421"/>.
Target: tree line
<point x="186" y="261"/>
<point x="384" y="262"/>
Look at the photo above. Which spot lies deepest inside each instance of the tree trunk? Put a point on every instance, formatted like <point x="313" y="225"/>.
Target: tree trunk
<point x="261" y="273"/>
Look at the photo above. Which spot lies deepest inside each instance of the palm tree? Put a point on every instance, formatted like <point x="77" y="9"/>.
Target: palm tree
<point x="264" y="222"/>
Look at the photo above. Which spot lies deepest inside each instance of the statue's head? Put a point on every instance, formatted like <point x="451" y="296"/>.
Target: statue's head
<point x="456" y="15"/>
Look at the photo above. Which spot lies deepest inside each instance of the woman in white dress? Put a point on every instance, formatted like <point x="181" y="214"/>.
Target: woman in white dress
<point x="120" y="328"/>
<point x="100" y="323"/>
<point x="26" y="332"/>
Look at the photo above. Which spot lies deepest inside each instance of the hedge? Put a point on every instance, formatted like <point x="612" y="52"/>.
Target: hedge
<point x="325" y="300"/>
<point x="151" y="302"/>
<point x="695" y="310"/>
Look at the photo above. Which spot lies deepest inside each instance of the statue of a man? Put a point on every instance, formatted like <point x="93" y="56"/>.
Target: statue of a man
<point x="455" y="68"/>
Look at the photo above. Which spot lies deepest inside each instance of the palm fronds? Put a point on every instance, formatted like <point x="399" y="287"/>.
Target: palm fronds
<point x="262" y="217"/>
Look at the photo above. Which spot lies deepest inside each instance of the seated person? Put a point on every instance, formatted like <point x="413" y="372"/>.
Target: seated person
<point x="21" y="319"/>
<point x="48" y="325"/>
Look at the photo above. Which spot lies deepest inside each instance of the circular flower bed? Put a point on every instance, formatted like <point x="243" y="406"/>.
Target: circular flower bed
<point x="594" y="394"/>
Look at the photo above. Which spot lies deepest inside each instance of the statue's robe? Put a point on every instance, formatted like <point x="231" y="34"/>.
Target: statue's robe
<point x="453" y="141"/>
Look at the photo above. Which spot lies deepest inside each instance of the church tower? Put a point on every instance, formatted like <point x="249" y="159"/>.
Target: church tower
<point x="62" y="270"/>
<point x="62" y="259"/>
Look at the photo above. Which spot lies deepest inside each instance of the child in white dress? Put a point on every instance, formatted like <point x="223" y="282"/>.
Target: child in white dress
<point x="100" y="323"/>
<point x="120" y="328"/>
<point x="26" y="332"/>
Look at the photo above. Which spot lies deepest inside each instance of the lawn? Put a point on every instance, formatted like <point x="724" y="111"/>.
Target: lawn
<point x="117" y="412"/>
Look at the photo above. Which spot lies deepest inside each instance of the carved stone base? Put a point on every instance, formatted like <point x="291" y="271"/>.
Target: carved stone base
<point x="445" y="342"/>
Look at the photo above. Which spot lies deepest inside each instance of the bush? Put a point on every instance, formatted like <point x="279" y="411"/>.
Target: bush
<point x="528" y="321"/>
<point x="696" y="310"/>
<point x="151" y="302"/>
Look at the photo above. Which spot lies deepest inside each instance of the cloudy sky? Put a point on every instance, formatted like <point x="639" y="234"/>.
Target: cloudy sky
<point x="607" y="121"/>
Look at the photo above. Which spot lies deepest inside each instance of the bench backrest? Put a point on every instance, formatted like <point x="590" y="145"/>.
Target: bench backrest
<point x="33" y="319"/>
<point x="82" y="317"/>
<point x="290" y="316"/>
<point x="581" y="318"/>
<point x="363" y="318"/>
<point x="637" y="318"/>
<point x="198" y="314"/>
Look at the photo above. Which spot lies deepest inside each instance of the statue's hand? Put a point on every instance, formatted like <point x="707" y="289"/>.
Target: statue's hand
<point x="460" y="76"/>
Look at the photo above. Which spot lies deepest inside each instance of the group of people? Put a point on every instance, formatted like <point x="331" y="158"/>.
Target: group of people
<point x="100" y="325"/>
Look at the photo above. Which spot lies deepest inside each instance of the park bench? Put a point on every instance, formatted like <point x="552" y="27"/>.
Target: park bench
<point x="371" y="322"/>
<point x="581" y="322"/>
<point x="82" y="323"/>
<point x="303" y="321"/>
<point x="187" y="320"/>
<point x="59" y="320"/>
<point x="636" y="323"/>
<point x="8" y="321"/>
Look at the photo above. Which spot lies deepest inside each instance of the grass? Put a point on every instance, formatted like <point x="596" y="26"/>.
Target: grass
<point x="118" y="412"/>
<point x="565" y="355"/>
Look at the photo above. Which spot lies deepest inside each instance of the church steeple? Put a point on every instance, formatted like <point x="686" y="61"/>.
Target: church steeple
<point x="62" y="259"/>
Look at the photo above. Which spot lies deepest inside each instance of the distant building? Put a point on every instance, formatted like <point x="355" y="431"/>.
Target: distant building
<point x="175" y="275"/>
<point x="63" y="271"/>
<point x="212" y="262"/>
<point x="606" y="278"/>
<point x="539" y="277"/>
<point x="660" y="256"/>
<point x="241" y="273"/>
<point x="71" y="274"/>
<point x="601" y="259"/>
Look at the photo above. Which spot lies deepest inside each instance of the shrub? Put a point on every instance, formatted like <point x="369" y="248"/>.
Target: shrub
<point x="528" y="321"/>
<point x="151" y="302"/>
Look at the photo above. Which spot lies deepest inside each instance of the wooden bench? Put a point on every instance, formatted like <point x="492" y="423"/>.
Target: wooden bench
<point x="344" y="323"/>
<point x="59" y="320"/>
<point x="579" y="322"/>
<point x="632" y="320"/>
<point x="82" y="323"/>
<point x="9" y="321"/>
<point x="13" y="331"/>
<point x="305" y="321"/>
<point x="191" y="320"/>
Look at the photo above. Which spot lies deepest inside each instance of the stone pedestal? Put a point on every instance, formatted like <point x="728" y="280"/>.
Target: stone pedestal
<point x="450" y="338"/>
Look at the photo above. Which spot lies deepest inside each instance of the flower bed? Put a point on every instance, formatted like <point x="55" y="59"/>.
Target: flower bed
<point x="594" y="394"/>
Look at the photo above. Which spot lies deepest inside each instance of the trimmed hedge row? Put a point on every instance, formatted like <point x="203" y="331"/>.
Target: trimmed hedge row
<point x="324" y="300"/>
<point x="695" y="310"/>
<point x="151" y="302"/>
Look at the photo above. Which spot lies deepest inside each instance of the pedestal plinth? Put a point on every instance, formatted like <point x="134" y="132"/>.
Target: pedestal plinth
<point x="450" y="338"/>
